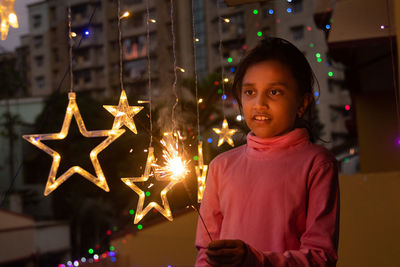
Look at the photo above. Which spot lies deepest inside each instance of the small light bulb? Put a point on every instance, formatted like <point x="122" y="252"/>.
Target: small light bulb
<point x="197" y="39"/>
<point x="12" y="18"/>
<point x="152" y="20"/>
<point x="201" y="100"/>
<point x="125" y="15"/>
<point x="73" y="34"/>
<point x="227" y="20"/>
<point x="226" y="80"/>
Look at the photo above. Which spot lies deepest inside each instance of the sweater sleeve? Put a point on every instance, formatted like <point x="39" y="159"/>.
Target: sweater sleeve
<point x="212" y="216"/>
<point x="319" y="242"/>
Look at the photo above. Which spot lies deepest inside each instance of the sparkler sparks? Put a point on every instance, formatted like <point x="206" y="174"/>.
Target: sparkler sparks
<point x="176" y="167"/>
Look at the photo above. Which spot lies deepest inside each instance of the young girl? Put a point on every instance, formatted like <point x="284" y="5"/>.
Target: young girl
<point x="275" y="200"/>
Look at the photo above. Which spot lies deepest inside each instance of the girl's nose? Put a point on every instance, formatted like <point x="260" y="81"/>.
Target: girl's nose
<point x="261" y="101"/>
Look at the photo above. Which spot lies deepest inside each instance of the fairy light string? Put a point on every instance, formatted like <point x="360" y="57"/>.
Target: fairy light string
<point x="175" y="66"/>
<point x="71" y="81"/>
<point x="149" y="70"/>
<point x="120" y="45"/>
<point x="225" y="133"/>
<point x="221" y="56"/>
<point x="123" y="113"/>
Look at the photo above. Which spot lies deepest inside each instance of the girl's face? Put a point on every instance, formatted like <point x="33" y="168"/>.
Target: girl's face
<point x="271" y="99"/>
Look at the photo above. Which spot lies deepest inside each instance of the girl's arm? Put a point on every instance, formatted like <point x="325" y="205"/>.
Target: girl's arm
<point x="319" y="242"/>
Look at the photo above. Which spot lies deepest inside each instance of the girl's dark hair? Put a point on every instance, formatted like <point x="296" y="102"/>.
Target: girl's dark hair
<point x="280" y="50"/>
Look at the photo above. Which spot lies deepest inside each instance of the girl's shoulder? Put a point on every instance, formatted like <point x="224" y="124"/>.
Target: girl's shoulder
<point x="229" y="156"/>
<point x="318" y="154"/>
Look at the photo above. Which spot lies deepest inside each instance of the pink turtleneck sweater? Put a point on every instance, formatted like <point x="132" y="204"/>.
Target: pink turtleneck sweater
<point x="280" y="196"/>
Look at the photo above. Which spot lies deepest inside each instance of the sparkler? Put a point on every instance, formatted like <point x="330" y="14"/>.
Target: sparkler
<point x="176" y="167"/>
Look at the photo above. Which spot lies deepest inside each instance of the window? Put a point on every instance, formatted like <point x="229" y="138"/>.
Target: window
<point x="40" y="82"/>
<point x="38" y="41"/>
<point x="79" y="11"/>
<point x="37" y="20"/>
<point x="56" y="55"/>
<point x="132" y="2"/>
<point x="297" y="6"/>
<point x="297" y="32"/>
<point x="39" y="61"/>
<point x="82" y="76"/>
<point x="221" y="3"/>
<point x="136" y="69"/>
<point x="135" y="47"/>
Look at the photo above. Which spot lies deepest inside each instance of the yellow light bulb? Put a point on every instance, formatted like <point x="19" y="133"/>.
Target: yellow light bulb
<point x="201" y="100"/>
<point x="12" y="18"/>
<point x="227" y="20"/>
<point x="153" y="20"/>
<point x="73" y="34"/>
<point x="7" y="17"/>
<point x="226" y="80"/>
<point x="125" y="15"/>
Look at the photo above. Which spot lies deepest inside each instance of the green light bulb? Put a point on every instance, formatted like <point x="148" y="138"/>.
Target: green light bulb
<point x="148" y="193"/>
<point x="330" y="74"/>
<point x="112" y="248"/>
<point x="259" y="34"/>
<point x="196" y="158"/>
<point x="255" y="11"/>
<point x="90" y="251"/>
<point x="319" y="59"/>
<point x="311" y="45"/>
<point x="230" y="59"/>
<point x="219" y="91"/>
<point x="140" y="227"/>
<point x="318" y="55"/>
<point x="131" y="212"/>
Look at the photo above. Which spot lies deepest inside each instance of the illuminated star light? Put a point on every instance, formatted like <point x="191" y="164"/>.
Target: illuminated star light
<point x="225" y="134"/>
<point x="201" y="173"/>
<point x="52" y="181"/>
<point x="150" y="170"/>
<point x="7" y="17"/>
<point x="123" y="113"/>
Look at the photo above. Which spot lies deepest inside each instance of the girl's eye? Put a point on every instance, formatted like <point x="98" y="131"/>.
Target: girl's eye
<point x="275" y="92"/>
<point x="248" y="92"/>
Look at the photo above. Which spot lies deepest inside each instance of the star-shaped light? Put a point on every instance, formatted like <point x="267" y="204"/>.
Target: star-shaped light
<point x="148" y="172"/>
<point x="225" y="134"/>
<point x="52" y="181"/>
<point x="124" y="113"/>
<point x="7" y="17"/>
<point x="201" y="173"/>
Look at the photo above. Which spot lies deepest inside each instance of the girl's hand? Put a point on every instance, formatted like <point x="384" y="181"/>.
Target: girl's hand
<point x="222" y="253"/>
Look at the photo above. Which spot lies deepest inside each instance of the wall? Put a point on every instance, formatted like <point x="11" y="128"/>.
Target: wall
<point x="370" y="219"/>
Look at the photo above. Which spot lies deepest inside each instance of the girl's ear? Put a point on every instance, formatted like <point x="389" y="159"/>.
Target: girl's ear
<point x="306" y="101"/>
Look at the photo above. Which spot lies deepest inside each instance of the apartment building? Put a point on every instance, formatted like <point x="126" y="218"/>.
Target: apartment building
<point x="96" y="48"/>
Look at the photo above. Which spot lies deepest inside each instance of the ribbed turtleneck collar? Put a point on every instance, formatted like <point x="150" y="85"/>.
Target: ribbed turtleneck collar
<point x="257" y="144"/>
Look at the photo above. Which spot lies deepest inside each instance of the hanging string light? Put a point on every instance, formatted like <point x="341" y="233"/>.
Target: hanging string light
<point x="123" y="113"/>
<point x="225" y="134"/>
<point x="73" y="111"/>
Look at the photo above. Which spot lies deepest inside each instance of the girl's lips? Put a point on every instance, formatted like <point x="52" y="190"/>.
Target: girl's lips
<point x="261" y="118"/>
